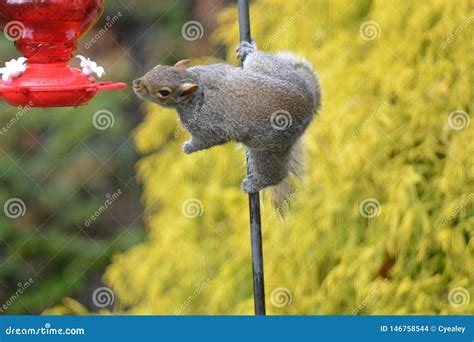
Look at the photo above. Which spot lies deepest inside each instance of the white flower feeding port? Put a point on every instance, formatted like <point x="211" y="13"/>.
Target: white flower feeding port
<point x="13" y="69"/>
<point x="90" y="67"/>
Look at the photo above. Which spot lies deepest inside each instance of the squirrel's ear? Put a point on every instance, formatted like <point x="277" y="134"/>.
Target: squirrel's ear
<point x="183" y="64"/>
<point x="188" y="88"/>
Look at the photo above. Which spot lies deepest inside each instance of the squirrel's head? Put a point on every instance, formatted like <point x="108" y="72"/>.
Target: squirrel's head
<point x="167" y="86"/>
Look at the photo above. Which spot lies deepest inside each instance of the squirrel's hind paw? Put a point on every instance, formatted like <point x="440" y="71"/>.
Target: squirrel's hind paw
<point x="246" y="48"/>
<point x="188" y="147"/>
<point x="249" y="186"/>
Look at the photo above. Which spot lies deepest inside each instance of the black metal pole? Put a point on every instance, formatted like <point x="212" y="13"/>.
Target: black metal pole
<point x="254" y="198"/>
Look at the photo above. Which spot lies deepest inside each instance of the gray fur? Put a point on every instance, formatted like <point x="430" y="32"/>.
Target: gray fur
<point x="266" y="106"/>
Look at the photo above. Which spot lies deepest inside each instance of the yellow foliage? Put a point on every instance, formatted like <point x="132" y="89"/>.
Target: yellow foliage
<point x="392" y="72"/>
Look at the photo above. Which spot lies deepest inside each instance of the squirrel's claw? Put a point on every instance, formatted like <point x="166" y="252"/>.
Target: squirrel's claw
<point x="245" y="48"/>
<point x="189" y="148"/>
<point x="249" y="186"/>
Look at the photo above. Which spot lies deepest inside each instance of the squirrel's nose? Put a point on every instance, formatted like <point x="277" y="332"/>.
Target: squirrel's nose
<point x="138" y="84"/>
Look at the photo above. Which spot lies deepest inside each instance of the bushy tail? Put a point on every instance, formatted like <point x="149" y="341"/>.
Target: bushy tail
<point x="284" y="193"/>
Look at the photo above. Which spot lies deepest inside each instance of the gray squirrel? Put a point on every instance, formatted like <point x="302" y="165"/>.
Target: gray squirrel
<point x="267" y="105"/>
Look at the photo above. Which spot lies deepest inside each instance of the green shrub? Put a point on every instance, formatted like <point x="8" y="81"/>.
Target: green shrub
<point x="392" y="72"/>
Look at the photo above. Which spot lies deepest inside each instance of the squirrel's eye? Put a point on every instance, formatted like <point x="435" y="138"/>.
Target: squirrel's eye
<point x="165" y="92"/>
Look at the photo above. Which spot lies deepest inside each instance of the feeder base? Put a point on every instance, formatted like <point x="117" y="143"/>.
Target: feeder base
<point x="52" y="85"/>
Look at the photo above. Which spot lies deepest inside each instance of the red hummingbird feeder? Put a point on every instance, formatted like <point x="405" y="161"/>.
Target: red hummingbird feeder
<point x="46" y="32"/>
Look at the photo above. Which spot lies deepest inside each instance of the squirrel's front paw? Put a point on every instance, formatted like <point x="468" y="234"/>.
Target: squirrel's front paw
<point x="189" y="148"/>
<point x="245" y="48"/>
<point x="249" y="186"/>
